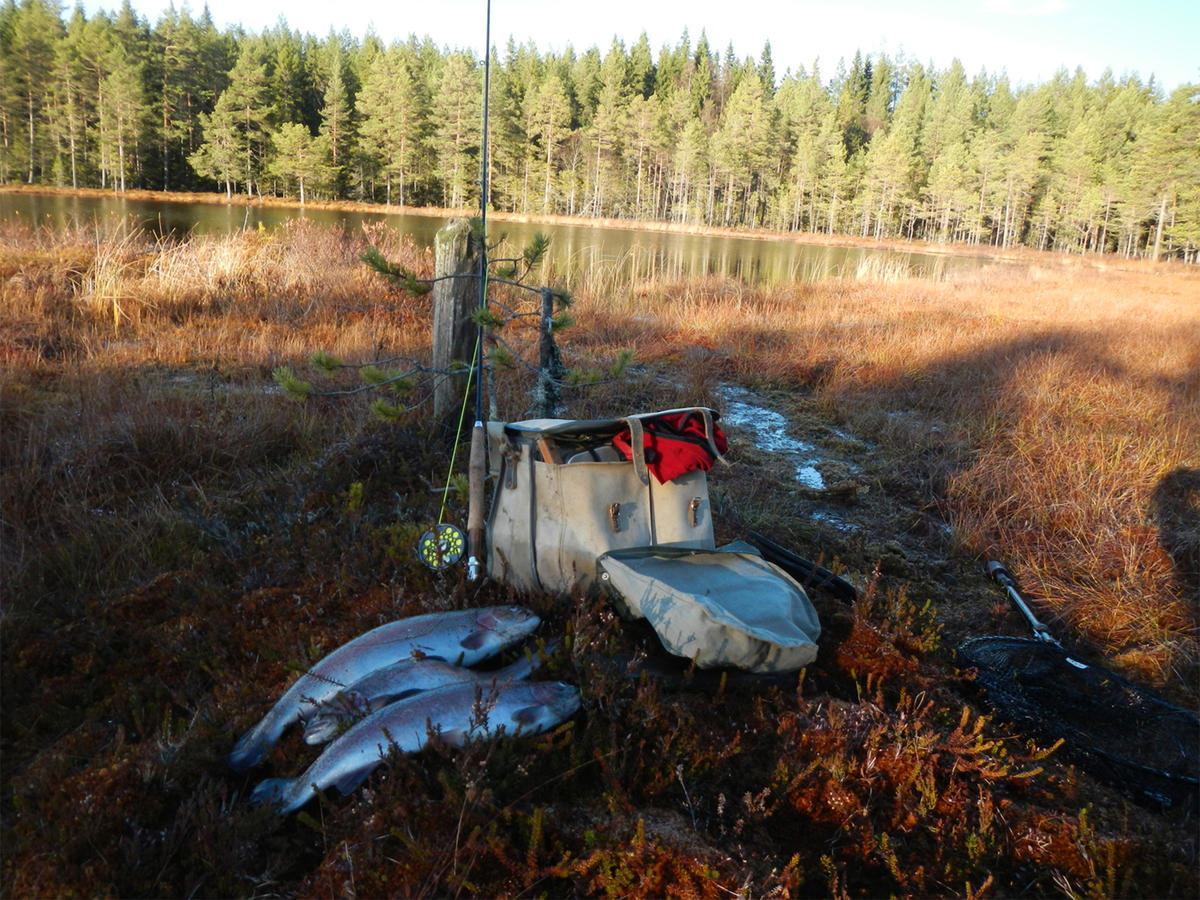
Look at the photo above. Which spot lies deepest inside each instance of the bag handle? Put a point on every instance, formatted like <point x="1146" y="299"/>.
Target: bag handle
<point x="637" y="446"/>
<point x="709" y="432"/>
<point x="637" y="437"/>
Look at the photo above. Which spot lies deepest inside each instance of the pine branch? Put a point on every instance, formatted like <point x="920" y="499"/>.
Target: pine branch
<point x="292" y="385"/>
<point x="407" y="279"/>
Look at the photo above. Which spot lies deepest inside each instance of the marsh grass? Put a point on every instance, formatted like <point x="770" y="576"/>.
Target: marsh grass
<point x="180" y="539"/>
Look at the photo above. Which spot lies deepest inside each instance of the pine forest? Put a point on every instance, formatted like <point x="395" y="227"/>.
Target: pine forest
<point x="880" y="147"/>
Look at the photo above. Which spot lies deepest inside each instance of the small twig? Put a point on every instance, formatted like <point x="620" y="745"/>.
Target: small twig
<point x="686" y="795"/>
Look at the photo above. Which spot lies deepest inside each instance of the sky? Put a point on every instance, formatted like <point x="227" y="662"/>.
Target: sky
<point x="1029" y="40"/>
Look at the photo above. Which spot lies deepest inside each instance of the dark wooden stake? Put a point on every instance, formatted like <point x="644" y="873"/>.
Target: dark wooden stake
<point x="454" y="299"/>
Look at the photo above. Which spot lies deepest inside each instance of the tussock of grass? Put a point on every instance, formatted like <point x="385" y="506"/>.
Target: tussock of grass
<point x="180" y="539"/>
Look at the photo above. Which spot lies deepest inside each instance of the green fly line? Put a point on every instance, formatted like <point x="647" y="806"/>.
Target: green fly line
<point x="462" y="418"/>
<point x="434" y="544"/>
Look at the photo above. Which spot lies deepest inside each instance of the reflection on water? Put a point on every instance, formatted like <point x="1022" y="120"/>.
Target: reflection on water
<point x="619" y="254"/>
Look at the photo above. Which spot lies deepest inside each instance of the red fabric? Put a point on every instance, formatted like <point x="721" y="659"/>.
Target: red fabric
<point x="675" y="444"/>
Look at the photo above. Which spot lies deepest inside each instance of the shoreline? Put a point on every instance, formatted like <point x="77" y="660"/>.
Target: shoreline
<point x="1016" y="254"/>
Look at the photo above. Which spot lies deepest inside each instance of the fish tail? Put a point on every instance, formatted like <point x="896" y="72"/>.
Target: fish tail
<point x="274" y="792"/>
<point x="252" y="747"/>
<point x="527" y="664"/>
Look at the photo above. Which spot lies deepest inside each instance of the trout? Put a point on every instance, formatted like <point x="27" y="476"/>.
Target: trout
<point x="464" y="638"/>
<point x="455" y="714"/>
<point x="397" y="681"/>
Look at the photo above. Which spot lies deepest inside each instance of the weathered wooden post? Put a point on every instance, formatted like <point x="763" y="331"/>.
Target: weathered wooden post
<point x="454" y="299"/>
<point x="551" y="370"/>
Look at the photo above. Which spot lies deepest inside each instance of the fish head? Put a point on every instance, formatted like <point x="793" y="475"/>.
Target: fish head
<point x="509" y="623"/>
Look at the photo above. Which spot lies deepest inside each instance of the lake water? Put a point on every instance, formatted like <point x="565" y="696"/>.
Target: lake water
<point x="620" y="253"/>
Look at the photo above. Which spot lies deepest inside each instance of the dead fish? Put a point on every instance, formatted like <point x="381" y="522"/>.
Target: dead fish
<point x="464" y="637"/>
<point x="456" y="714"/>
<point x="400" y="680"/>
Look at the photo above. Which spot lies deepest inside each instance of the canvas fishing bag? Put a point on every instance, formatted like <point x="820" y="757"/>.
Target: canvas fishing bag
<point x="565" y="493"/>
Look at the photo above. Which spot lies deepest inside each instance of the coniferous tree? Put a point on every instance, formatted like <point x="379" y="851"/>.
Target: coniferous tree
<point x="458" y="131"/>
<point x="642" y="75"/>
<point x="122" y="117"/>
<point x="69" y="100"/>
<point x="337" y="126"/>
<point x="643" y="144"/>
<point x="741" y="150"/>
<point x="549" y="120"/>
<point x="607" y="131"/>
<point x="235" y="135"/>
<point x="1169" y="167"/>
<point x="886" y="149"/>
<point x="390" y="109"/>
<point x="31" y="32"/>
<point x="298" y="156"/>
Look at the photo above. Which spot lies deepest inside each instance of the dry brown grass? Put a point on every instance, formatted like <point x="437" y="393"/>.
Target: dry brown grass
<point x="1069" y="393"/>
<point x="178" y="537"/>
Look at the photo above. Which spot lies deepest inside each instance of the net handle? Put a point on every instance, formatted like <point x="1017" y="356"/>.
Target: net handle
<point x="1006" y="580"/>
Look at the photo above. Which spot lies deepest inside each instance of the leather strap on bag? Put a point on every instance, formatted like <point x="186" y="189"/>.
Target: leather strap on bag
<point x="637" y="443"/>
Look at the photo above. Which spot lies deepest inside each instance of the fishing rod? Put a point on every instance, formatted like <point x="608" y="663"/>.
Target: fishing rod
<point x="476" y="468"/>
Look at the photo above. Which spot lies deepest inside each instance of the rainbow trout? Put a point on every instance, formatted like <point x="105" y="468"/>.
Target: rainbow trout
<point x="464" y="637"/>
<point x="397" y="681"/>
<point x="455" y="715"/>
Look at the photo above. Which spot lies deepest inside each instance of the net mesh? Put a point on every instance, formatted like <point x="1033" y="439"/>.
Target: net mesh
<point x="1112" y="727"/>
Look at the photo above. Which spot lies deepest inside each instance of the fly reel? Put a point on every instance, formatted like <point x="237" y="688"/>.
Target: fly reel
<point x="441" y="547"/>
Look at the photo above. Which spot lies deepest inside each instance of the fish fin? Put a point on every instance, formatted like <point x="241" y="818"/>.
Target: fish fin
<point x="350" y="781"/>
<point x="270" y="791"/>
<point x="321" y="728"/>
<point x="337" y="715"/>
<point x="528" y="715"/>
<point x="249" y="751"/>
<point x="474" y="641"/>
<point x="455" y="737"/>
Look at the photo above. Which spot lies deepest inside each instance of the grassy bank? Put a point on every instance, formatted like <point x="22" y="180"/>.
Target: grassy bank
<point x="180" y="539"/>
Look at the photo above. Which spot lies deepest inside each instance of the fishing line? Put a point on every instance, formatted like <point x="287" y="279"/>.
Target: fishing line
<point x="443" y="545"/>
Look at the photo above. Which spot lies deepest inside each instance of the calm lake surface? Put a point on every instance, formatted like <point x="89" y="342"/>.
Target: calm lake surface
<point x="622" y="253"/>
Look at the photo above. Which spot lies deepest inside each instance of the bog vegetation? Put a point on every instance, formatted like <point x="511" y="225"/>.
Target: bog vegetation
<point x="881" y="147"/>
<point x="181" y="538"/>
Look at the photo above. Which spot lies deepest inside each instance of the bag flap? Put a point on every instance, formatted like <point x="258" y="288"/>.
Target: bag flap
<point x="726" y="608"/>
<point x="533" y="427"/>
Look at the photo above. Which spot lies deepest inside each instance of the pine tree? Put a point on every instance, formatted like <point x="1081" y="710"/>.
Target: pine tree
<point x="299" y="156"/>
<point x="390" y="108"/>
<point x="32" y="31"/>
<point x="643" y="143"/>
<point x="458" y="129"/>
<point x="1169" y="168"/>
<point x="123" y="117"/>
<point x="549" y="119"/>
<point x="337" y="125"/>
<point x="888" y="188"/>
<point x="741" y="150"/>
<point x="69" y="99"/>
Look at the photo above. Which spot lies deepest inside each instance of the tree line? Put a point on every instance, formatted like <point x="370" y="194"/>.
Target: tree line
<point x="886" y="147"/>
